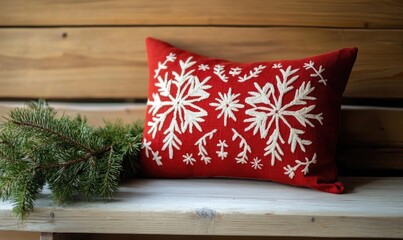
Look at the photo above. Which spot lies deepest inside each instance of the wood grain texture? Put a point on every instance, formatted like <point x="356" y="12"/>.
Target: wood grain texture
<point x="370" y="140"/>
<point x="15" y="235"/>
<point x="18" y="235"/>
<point x="110" y="63"/>
<point x="47" y="236"/>
<point x="370" y="208"/>
<point x="370" y="126"/>
<point x="377" y="146"/>
<point x="88" y="236"/>
<point x="95" y="113"/>
<point x="369" y="161"/>
<point x="340" y="13"/>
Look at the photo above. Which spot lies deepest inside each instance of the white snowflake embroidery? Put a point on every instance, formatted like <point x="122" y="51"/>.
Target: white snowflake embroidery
<point x="277" y="65"/>
<point x="221" y="153"/>
<point x="179" y="103"/>
<point x="201" y="143"/>
<point x="147" y="146"/>
<point x="290" y="171"/>
<point x="235" y="71"/>
<point x="243" y="144"/>
<point x="170" y="58"/>
<point x="157" y="158"/>
<point x="228" y="104"/>
<point x="317" y="73"/>
<point x="256" y="163"/>
<point x="188" y="159"/>
<point x="220" y="72"/>
<point x="268" y="111"/>
<point x="203" y="67"/>
<point x="252" y="74"/>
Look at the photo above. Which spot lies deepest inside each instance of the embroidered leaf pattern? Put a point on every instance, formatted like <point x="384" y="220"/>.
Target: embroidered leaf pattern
<point x="163" y="65"/>
<point x="252" y="74"/>
<point x="290" y="171"/>
<point x="317" y="72"/>
<point x="148" y="150"/>
<point x="242" y="156"/>
<point x="201" y="144"/>
<point x="235" y="71"/>
<point x="220" y="72"/>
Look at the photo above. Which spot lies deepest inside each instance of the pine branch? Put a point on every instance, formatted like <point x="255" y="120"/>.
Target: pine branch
<point x="37" y="147"/>
<point x="52" y="132"/>
<point x="75" y="161"/>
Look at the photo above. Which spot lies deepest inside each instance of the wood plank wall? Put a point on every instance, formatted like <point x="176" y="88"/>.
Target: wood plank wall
<point x="84" y="50"/>
<point x="110" y="62"/>
<point x="308" y="13"/>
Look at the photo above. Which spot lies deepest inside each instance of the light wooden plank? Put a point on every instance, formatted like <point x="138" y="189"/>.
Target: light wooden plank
<point x="95" y="113"/>
<point x="92" y="236"/>
<point x="377" y="146"/>
<point x="372" y="207"/>
<point x="18" y="235"/>
<point x="111" y="62"/>
<point x="371" y="126"/>
<point x="341" y="13"/>
<point x="369" y="160"/>
<point x="47" y="236"/>
<point x="371" y="139"/>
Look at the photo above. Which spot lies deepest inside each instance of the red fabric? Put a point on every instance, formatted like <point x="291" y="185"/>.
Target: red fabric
<point x="273" y="120"/>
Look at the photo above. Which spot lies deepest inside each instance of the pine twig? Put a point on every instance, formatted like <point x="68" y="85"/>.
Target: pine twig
<point x="75" y="161"/>
<point x="42" y="128"/>
<point x="37" y="147"/>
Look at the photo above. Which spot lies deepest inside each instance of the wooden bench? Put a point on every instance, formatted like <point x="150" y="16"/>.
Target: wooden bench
<point x="88" y="57"/>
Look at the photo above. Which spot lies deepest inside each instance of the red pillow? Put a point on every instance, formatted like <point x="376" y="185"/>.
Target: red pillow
<point x="274" y="120"/>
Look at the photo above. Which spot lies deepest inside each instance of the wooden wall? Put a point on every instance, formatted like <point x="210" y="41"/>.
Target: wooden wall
<point x="93" y="51"/>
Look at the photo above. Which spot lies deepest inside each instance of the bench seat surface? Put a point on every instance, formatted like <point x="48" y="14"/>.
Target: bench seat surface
<point x="370" y="207"/>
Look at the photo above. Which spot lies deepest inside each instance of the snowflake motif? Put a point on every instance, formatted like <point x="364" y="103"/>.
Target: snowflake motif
<point x="176" y="98"/>
<point x="147" y="147"/>
<point x="256" y="163"/>
<point x="188" y="159"/>
<point x="277" y="65"/>
<point x="221" y="153"/>
<point x="235" y="71"/>
<point x="228" y="104"/>
<point x="203" y="67"/>
<point x="290" y="171"/>
<point x="318" y="72"/>
<point x="269" y="111"/>
<point x="157" y="158"/>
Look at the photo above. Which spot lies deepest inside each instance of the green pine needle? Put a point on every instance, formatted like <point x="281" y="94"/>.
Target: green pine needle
<point x="37" y="147"/>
